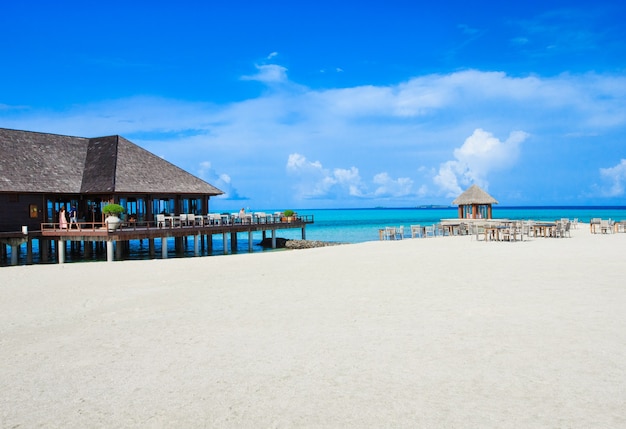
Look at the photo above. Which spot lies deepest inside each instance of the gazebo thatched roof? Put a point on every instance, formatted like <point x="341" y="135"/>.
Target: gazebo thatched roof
<point x="474" y="195"/>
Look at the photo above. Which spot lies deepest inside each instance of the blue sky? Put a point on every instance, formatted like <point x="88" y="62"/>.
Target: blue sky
<point x="328" y="104"/>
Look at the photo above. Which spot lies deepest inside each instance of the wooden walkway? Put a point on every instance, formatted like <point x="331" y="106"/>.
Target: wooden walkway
<point x="98" y="232"/>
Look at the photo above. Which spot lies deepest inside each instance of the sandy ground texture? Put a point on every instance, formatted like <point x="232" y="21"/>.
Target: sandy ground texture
<point x="420" y="333"/>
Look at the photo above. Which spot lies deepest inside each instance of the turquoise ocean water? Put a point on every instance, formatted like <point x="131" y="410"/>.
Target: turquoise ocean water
<point x="356" y="226"/>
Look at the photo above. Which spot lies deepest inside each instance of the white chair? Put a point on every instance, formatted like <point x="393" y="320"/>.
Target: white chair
<point x="160" y="220"/>
<point x="416" y="231"/>
<point x="510" y="232"/>
<point x="400" y="232"/>
<point x="477" y="231"/>
<point x="260" y="217"/>
<point x="463" y="229"/>
<point x="439" y="230"/>
<point x="390" y="233"/>
<point x="566" y="230"/>
<point x="216" y="219"/>
<point x="595" y="224"/>
<point x="527" y="228"/>
<point x="429" y="231"/>
<point x="606" y="226"/>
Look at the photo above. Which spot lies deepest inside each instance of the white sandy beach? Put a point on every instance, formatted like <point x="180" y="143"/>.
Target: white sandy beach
<point x="420" y="333"/>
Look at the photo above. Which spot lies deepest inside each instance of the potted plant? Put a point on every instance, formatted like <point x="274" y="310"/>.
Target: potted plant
<point x="112" y="212"/>
<point x="288" y="215"/>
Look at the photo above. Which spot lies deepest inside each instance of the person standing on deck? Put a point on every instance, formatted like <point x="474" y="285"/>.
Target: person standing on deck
<point x="73" y="217"/>
<point x="62" y="219"/>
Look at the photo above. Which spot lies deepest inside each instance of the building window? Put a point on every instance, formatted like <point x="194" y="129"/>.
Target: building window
<point x="34" y="211"/>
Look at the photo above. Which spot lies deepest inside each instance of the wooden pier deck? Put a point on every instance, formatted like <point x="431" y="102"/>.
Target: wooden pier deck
<point x="198" y="230"/>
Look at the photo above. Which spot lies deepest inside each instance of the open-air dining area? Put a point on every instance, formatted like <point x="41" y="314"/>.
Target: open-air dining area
<point x="180" y="227"/>
<point x="181" y="221"/>
<point x="485" y="229"/>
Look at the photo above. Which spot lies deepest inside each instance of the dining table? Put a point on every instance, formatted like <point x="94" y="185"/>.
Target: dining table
<point x="544" y="229"/>
<point x="494" y="232"/>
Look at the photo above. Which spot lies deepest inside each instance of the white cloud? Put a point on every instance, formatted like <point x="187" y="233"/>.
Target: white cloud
<point x="268" y="73"/>
<point x="389" y="187"/>
<point x="410" y="130"/>
<point x="315" y="181"/>
<point x="480" y="154"/>
<point x="222" y="181"/>
<point x="616" y="179"/>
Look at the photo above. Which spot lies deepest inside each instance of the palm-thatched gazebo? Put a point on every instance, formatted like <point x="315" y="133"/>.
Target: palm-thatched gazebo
<point x="474" y="203"/>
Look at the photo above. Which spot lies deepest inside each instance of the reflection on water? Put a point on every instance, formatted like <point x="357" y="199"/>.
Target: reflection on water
<point x="137" y="250"/>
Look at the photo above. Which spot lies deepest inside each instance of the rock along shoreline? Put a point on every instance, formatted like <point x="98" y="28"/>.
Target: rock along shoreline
<point x="283" y="243"/>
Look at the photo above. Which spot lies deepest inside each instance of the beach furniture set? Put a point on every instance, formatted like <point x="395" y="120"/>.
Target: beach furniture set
<point x="492" y="229"/>
<point x="606" y="226"/>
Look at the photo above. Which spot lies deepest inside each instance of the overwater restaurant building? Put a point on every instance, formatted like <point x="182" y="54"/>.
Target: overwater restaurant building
<point x="40" y="173"/>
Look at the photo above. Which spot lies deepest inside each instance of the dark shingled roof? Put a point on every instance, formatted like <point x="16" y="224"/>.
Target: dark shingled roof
<point x="474" y="195"/>
<point x="50" y="163"/>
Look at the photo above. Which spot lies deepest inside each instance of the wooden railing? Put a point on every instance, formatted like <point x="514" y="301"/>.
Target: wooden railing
<point x="175" y="222"/>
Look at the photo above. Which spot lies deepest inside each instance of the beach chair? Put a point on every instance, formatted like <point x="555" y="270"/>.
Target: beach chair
<point x="477" y="231"/>
<point x="463" y="229"/>
<point x="606" y="226"/>
<point x="439" y="230"/>
<point x="429" y="231"/>
<point x="510" y="232"/>
<point x="566" y="230"/>
<point x="400" y="232"/>
<point x="390" y="233"/>
<point x="527" y="228"/>
<point x="594" y="225"/>
<point x="416" y="231"/>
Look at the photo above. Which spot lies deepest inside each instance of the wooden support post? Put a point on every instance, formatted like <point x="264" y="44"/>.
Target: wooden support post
<point x="15" y="253"/>
<point x="233" y="242"/>
<point x="44" y="249"/>
<point x="29" y="251"/>
<point x="225" y="242"/>
<point x="273" y="239"/>
<point x="250" y="241"/>
<point x="119" y="248"/>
